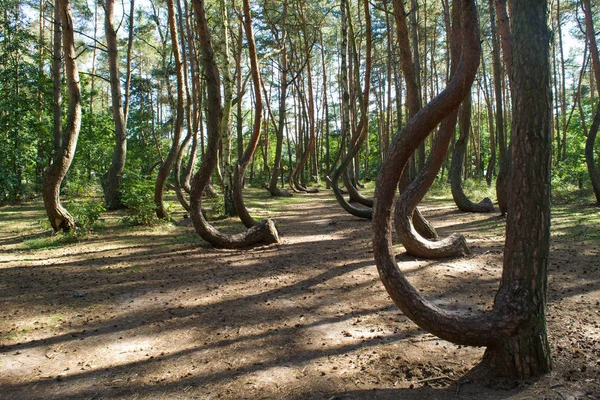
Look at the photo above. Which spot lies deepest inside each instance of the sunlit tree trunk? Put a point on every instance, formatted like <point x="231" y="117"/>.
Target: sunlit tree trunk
<point x="169" y="162"/>
<point x="514" y="331"/>
<point x="283" y="85"/>
<point x="263" y="232"/>
<point x="59" y="217"/>
<point x="112" y="180"/>
<point x="593" y="170"/>
<point x="503" y="156"/>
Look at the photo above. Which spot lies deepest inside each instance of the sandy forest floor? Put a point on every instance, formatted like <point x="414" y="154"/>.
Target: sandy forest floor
<point x="155" y="313"/>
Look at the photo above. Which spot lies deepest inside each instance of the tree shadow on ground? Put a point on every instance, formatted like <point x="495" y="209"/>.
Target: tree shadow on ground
<point x="165" y="316"/>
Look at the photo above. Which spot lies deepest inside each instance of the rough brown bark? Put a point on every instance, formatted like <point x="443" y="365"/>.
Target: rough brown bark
<point x="112" y="180"/>
<point x="263" y="232"/>
<point x="59" y="217"/>
<point x="524" y="284"/>
<point x="514" y="330"/>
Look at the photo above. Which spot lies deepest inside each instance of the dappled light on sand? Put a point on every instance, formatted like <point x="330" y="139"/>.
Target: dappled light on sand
<point x="155" y="313"/>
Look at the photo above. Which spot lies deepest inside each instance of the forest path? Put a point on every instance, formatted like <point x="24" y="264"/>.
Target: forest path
<point x="151" y="313"/>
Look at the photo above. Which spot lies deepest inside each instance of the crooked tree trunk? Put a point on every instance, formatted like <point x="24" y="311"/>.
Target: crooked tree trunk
<point x="227" y="169"/>
<point x="57" y="80"/>
<point x="361" y="134"/>
<point x="169" y="162"/>
<point x="413" y="100"/>
<point x="456" y="168"/>
<point x="593" y="170"/>
<point x="311" y="114"/>
<point x="177" y="179"/>
<point x="273" y="188"/>
<point x="263" y="232"/>
<point x="59" y="217"/>
<point x="244" y="161"/>
<point x="514" y="331"/>
<point x="410" y="196"/>
<point x="112" y="180"/>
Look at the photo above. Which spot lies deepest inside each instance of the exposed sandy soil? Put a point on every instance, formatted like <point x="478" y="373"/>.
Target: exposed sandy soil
<point x="155" y="313"/>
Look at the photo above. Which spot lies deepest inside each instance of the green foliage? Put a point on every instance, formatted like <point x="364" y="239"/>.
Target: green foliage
<point x="52" y="242"/>
<point x="23" y="107"/>
<point x="86" y="212"/>
<point x="138" y="197"/>
<point x="218" y="207"/>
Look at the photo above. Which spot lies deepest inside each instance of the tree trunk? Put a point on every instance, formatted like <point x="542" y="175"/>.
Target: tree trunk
<point x="514" y="331"/>
<point x="226" y="164"/>
<point x="359" y="137"/>
<point x="244" y="161"/>
<point x="58" y="215"/>
<point x="112" y="180"/>
<point x="458" y="157"/>
<point x="504" y="161"/>
<point x="593" y="170"/>
<point x="524" y="278"/>
<point x="416" y="190"/>
<point x="169" y="162"/>
<point x="57" y="57"/>
<point x="311" y="112"/>
<point x="263" y="232"/>
<point x="413" y="99"/>
<point x="273" y="188"/>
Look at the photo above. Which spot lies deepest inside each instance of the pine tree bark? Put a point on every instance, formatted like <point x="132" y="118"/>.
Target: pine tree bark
<point x="59" y="217"/>
<point x="263" y="232"/>
<point x="524" y="278"/>
<point x="514" y="331"/>
<point x="411" y="195"/>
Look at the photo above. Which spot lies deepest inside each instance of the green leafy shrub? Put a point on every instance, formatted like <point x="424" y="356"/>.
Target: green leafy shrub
<point x="86" y="212"/>
<point x="138" y="196"/>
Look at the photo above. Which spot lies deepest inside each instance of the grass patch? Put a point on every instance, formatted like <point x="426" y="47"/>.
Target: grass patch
<point x="51" y="242"/>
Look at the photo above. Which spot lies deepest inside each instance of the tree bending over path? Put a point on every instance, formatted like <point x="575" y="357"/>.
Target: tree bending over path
<point x="514" y="331"/>
<point x="265" y="231"/>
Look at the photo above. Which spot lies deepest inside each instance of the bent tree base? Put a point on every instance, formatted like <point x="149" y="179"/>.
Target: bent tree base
<point x="522" y="356"/>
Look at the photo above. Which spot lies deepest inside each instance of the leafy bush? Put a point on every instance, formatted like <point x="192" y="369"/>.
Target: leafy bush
<point x="86" y="212"/>
<point x="138" y="196"/>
